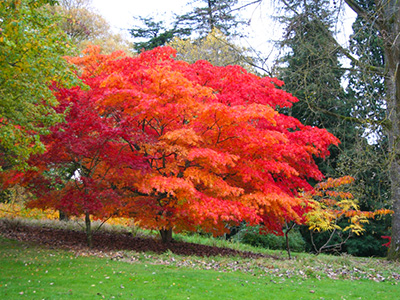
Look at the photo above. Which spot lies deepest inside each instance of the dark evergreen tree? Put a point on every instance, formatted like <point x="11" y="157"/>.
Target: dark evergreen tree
<point x="211" y="14"/>
<point x="155" y="33"/>
<point x="367" y="89"/>
<point x="215" y="14"/>
<point x="312" y="72"/>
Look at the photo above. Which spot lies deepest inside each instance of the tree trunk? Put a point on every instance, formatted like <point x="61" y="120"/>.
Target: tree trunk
<point x="288" y="229"/>
<point x="88" y="230"/>
<point x="63" y="216"/>
<point x="387" y="20"/>
<point x="391" y="15"/>
<point x="166" y="235"/>
<point x="394" y="249"/>
<point x="211" y="21"/>
<point x="393" y="87"/>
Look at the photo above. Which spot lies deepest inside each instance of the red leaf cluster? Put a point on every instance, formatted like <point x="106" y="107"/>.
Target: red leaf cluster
<point x="182" y="146"/>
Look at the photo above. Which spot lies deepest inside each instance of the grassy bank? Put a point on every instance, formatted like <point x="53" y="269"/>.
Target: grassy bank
<point x="33" y="272"/>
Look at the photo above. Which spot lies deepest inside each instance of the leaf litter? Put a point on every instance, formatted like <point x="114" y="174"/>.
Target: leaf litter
<point x="126" y="248"/>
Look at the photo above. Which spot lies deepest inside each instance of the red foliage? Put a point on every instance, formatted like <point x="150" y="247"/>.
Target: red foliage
<point x="85" y="157"/>
<point x="388" y="243"/>
<point x="218" y="150"/>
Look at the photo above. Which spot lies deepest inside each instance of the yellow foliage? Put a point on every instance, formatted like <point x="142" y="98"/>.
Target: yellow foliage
<point x="14" y="210"/>
<point x="328" y="204"/>
<point x="214" y="48"/>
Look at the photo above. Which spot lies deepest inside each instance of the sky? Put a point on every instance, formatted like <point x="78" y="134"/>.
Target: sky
<point x="119" y="13"/>
<point x="262" y="31"/>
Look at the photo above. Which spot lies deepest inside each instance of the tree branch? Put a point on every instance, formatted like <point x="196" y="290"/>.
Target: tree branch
<point x="376" y="22"/>
<point x="385" y="123"/>
<point x="247" y="4"/>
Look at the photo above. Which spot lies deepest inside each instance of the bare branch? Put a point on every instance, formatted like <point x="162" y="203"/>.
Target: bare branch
<point x="376" y="22"/>
<point x="247" y="4"/>
<point x="385" y="123"/>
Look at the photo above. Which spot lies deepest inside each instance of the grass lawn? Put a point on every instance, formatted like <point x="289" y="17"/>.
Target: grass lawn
<point x="33" y="272"/>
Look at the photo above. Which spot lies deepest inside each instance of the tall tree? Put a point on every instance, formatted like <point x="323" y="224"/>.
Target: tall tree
<point x="368" y="91"/>
<point x="212" y="14"/>
<point x="217" y="150"/>
<point x="31" y="57"/>
<point x="216" y="14"/>
<point x="85" y="26"/>
<point x="312" y="72"/>
<point x="384" y="17"/>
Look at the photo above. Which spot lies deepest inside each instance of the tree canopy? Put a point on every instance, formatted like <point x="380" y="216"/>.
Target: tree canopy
<point x="31" y="58"/>
<point x="216" y="151"/>
<point x="214" y="16"/>
<point x="84" y="26"/>
<point x="381" y="18"/>
<point x="215" y="48"/>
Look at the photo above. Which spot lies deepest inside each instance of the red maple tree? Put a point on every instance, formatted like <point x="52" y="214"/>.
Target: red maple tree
<point x="80" y="172"/>
<point x="218" y="151"/>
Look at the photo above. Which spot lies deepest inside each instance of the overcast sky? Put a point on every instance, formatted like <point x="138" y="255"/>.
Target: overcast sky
<point x="119" y="13"/>
<point x="261" y="33"/>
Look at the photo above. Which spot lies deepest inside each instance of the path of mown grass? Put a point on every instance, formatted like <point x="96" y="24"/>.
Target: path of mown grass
<point x="32" y="272"/>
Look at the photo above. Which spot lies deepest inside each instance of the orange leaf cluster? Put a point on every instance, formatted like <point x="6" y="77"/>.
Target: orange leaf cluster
<point x="328" y="204"/>
<point x="216" y="150"/>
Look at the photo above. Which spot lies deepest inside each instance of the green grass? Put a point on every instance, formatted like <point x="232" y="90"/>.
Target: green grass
<point x="31" y="272"/>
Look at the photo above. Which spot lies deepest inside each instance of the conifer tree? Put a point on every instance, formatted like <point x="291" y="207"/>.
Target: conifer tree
<point x="312" y="72"/>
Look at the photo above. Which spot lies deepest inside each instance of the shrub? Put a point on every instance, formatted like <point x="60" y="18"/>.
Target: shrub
<point x="251" y="235"/>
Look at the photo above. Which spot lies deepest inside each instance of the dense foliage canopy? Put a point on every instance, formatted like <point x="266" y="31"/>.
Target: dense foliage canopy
<point x="216" y="151"/>
<point x="31" y="57"/>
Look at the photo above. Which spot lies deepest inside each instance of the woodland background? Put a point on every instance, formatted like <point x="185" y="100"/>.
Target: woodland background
<point x="357" y="103"/>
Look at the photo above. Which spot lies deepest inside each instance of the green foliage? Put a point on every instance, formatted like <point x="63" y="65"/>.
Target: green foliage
<point x="251" y="235"/>
<point x="155" y="33"/>
<point x="312" y="72"/>
<point x="198" y="23"/>
<point x="31" y="58"/>
<point x="369" y="94"/>
<point x="210" y="15"/>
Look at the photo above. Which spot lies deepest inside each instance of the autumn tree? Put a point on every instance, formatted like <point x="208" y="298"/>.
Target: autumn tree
<point x="85" y="26"/>
<point x="87" y="160"/>
<point x="332" y="209"/>
<point x="31" y="57"/>
<point x="218" y="151"/>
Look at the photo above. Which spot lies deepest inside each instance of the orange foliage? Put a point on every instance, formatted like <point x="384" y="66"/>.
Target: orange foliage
<point x="217" y="151"/>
